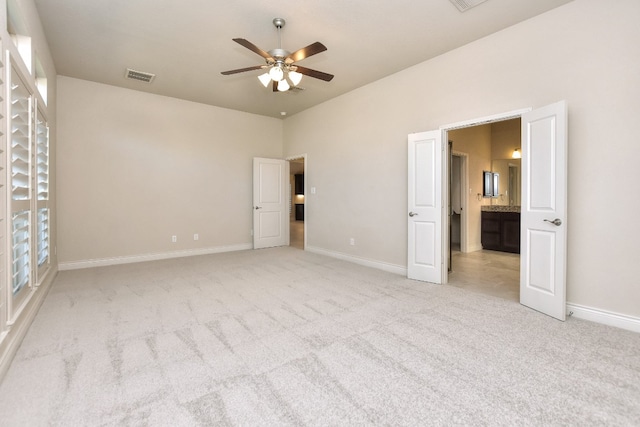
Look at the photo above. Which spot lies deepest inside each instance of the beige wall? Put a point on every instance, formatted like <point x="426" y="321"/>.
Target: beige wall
<point x="505" y="137"/>
<point x="584" y="52"/>
<point x="136" y="168"/>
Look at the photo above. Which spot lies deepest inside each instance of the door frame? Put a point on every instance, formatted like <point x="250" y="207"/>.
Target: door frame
<point x="446" y="244"/>
<point x="464" y="184"/>
<point x="306" y="195"/>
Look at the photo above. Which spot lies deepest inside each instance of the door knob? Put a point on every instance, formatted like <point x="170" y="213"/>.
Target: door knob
<point x="555" y="222"/>
<point x="412" y="214"/>
<point x="258" y="207"/>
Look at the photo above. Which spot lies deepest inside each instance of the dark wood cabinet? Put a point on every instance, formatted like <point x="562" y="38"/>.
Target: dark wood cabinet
<point x="299" y="212"/>
<point x="500" y="231"/>
<point x="299" y="183"/>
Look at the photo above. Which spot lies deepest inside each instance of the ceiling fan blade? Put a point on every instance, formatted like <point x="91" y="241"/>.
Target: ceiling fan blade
<point x="314" y="73"/>
<point x="252" y="47"/>
<point x="305" y="52"/>
<point x="242" y="70"/>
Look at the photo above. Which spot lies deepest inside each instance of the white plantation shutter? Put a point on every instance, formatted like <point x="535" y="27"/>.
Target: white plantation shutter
<point x="5" y="288"/>
<point x="42" y="158"/>
<point x="43" y="236"/>
<point x="42" y="190"/>
<point x="20" y="253"/>
<point x="20" y="140"/>
<point x="20" y="155"/>
<point x="28" y="241"/>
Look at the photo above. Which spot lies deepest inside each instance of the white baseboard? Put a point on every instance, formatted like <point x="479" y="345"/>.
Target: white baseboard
<point x="103" y="262"/>
<point x="597" y="315"/>
<point x="390" y="268"/>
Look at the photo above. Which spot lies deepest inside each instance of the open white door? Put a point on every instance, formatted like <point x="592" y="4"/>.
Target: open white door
<point x="424" y="254"/>
<point x="544" y="210"/>
<point x="270" y="201"/>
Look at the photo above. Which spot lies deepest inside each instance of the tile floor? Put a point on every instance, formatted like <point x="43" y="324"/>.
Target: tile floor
<point x="488" y="272"/>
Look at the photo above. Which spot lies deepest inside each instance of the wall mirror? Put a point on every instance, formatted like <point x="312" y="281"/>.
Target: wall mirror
<point x="509" y="194"/>
<point x="491" y="184"/>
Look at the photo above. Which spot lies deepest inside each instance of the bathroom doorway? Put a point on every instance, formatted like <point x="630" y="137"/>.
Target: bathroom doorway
<point x="474" y="150"/>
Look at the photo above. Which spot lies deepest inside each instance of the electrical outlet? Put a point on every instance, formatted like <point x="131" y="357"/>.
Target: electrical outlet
<point x="196" y="237"/>
<point x="352" y="241"/>
<point x="174" y="239"/>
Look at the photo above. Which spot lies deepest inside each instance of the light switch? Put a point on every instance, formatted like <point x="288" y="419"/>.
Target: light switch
<point x="313" y="190"/>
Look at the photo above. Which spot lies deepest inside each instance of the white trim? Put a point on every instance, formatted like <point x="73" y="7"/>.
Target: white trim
<point x="102" y="262"/>
<point x="486" y="120"/>
<point x="609" y="318"/>
<point x="464" y="202"/>
<point x="390" y="268"/>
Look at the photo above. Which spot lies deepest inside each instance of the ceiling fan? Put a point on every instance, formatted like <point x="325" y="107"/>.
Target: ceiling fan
<point x="280" y="66"/>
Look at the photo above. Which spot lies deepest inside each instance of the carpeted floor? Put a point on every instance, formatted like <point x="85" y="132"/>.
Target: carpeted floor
<point x="285" y="337"/>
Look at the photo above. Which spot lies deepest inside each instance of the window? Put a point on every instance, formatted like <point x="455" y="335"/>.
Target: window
<point x="41" y="80"/>
<point x="17" y="29"/>
<point x="25" y="228"/>
<point x="42" y="191"/>
<point x="20" y="160"/>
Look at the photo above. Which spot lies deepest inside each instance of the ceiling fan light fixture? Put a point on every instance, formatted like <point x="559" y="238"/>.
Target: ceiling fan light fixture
<point x="283" y="86"/>
<point x="295" y="77"/>
<point x="265" y="79"/>
<point x="276" y="73"/>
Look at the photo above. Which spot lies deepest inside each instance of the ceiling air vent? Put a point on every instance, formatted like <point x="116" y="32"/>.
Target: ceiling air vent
<point x="140" y="76"/>
<point x="464" y="5"/>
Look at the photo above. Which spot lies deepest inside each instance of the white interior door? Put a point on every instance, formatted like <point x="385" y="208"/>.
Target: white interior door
<point x="270" y="203"/>
<point x="424" y="254"/>
<point x="544" y="210"/>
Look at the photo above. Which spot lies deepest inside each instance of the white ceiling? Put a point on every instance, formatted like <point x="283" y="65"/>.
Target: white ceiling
<point x="187" y="43"/>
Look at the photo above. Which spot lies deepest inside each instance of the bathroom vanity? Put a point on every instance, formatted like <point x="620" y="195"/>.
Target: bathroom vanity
<point x="500" y="228"/>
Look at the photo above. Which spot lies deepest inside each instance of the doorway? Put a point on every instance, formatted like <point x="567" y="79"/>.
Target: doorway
<point x="474" y="150"/>
<point x="542" y="216"/>
<point x="297" y="223"/>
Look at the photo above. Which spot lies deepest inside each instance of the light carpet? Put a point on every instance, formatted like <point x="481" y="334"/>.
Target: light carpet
<point x="286" y="337"/>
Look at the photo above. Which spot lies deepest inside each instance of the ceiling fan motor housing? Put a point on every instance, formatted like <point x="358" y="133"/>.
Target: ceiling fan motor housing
<point x="279" y="53"/>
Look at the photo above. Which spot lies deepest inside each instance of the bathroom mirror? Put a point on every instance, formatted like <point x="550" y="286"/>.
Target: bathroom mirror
<point x="509" y="194"/>
<point x="487" y="184"/>
<point x="491" y="184"/>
